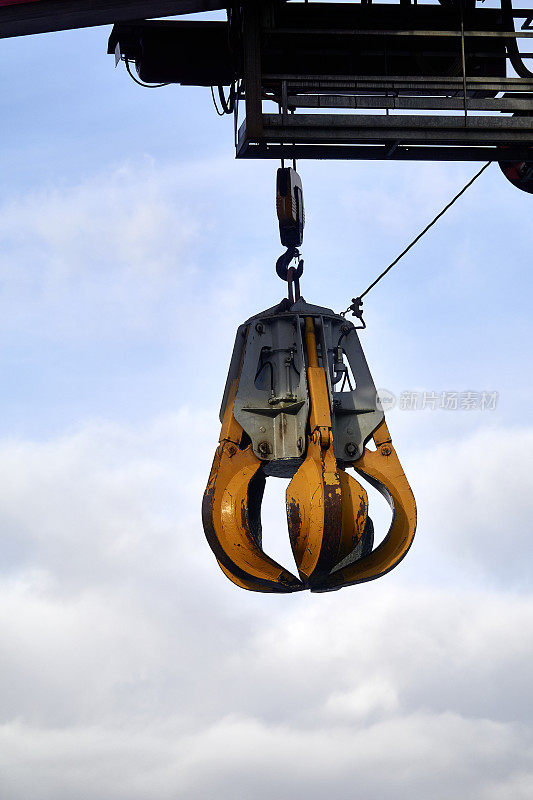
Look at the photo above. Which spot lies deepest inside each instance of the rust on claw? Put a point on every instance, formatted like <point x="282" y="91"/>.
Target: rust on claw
<point x="295" y="521"/>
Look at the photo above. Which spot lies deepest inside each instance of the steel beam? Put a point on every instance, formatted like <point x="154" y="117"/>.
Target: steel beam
<point x="252" y="67"/>
<point x="521" y="34"/>
<point x="393" y="136"/>
<point x="397" y="82"/>
<point x="380" y="152"/>
<point x="524" y="103"/>
<point x="20" y="19"/>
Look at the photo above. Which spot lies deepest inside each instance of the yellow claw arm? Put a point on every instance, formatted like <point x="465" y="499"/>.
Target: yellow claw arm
<point x="227" y="518"/>
<point x="326" y="508"/>
<point x="382" y="468"/>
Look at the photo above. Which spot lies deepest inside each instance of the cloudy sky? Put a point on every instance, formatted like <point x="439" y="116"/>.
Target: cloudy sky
<point x="132" y="245"/>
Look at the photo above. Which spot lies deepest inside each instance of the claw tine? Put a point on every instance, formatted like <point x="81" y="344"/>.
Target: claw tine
<point x="326" y="510"/>
<point x="314" y="514"/>
<point x="232" y="533"/>
<point x="326" y="516"/>
<point x="383" y="470"/>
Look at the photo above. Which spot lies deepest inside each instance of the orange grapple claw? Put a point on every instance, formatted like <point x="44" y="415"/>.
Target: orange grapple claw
<point x="282" y="415"/>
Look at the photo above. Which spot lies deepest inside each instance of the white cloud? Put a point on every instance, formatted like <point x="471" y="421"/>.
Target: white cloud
<point x="423" y="755"/>
<point x="476" y="502"/>
<point x="370" y="697"/>
<point x="127" y="251"/>
<point x="80" y="506"/>
<point x="132" y="668"/>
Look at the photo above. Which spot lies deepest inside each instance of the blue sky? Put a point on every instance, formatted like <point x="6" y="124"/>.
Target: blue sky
<point x="132" y="245"/>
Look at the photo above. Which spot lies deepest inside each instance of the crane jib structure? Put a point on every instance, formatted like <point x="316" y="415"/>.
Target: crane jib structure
<point x="449" y="80"/>
<point x="368" y="80"/>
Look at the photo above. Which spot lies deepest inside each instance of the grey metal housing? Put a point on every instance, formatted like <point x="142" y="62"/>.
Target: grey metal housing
<point x="272" y="401"/>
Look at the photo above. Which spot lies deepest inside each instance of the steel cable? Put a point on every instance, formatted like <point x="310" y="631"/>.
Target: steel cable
<point x="356" y="301"/>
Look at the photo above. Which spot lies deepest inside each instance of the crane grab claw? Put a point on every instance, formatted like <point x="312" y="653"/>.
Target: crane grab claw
<point x="283" y="415"/>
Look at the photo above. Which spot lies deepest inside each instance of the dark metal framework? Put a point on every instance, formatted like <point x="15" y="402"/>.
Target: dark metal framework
<point x="436" y="81"/>
<point x="472" y="108"/>
<point x="359" y="80"/>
